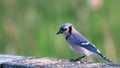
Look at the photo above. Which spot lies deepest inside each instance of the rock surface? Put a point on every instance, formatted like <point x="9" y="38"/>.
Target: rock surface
<point x="8" y="61"/>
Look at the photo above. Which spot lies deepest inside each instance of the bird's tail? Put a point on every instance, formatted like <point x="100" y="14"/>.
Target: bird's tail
<point x="106" y="58"/>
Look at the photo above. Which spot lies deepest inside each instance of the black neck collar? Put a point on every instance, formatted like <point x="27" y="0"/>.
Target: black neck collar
<point x="70" y="32"/>
<point x="67" y="36"/>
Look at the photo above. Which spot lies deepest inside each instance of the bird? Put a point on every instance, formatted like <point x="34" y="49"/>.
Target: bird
<point x="79" y="44"/>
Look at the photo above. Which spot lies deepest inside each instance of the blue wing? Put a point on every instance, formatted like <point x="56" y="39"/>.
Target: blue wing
<point x="83" y="42"/>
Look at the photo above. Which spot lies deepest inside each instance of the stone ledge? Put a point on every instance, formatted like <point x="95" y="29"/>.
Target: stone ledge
<point x="9" y="61"/>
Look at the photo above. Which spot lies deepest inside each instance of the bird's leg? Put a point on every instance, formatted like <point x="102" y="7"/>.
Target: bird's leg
<point x="78" y="59"/>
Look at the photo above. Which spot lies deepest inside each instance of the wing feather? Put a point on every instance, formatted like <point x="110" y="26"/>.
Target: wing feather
<point x="83" y="42"/>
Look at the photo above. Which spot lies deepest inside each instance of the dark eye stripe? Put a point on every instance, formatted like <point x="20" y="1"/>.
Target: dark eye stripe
<point x="63" y="29"/>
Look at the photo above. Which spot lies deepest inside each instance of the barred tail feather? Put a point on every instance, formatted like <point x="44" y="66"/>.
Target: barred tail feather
<point x="106" y="58"/>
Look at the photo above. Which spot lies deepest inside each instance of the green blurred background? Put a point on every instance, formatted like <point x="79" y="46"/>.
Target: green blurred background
<point x="28" y="27"/>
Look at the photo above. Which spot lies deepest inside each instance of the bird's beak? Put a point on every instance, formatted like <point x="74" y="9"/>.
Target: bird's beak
<point x="59" y="32"/>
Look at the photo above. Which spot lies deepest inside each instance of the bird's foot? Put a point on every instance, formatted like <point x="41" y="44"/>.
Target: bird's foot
<point x="76" y="60"/>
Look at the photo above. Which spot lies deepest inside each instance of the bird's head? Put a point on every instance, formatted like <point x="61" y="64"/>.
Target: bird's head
<point x="65" y="29"/>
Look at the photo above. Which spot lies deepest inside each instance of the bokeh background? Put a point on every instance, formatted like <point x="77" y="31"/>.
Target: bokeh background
<point x="28" y="27"/>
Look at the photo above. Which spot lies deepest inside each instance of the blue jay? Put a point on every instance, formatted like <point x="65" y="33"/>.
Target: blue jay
<point x="79" y="43"/>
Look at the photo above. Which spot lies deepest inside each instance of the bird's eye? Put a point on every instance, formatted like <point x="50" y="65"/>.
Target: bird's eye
<point x="65" y="29"/>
